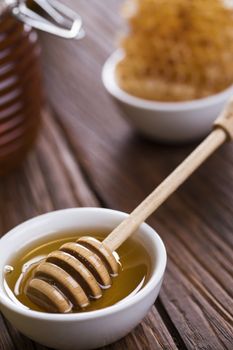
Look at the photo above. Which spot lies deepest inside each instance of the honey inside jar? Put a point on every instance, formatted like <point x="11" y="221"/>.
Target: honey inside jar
<point x="21" y="93"/>
<point x="134" y="269"/>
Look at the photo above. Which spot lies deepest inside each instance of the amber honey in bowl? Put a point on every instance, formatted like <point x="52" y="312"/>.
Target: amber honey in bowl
<point x="134" y="269"/>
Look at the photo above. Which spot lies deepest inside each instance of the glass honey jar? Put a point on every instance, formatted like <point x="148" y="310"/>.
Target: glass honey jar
<point x="21" y="93"/>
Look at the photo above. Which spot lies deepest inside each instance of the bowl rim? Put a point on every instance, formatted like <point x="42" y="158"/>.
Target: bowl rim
<point x="155" y="279"/>
<point x="110" y="84"/>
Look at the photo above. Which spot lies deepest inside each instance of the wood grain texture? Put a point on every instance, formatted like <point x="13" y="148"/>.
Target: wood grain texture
<point x="87" y="155"/>
<point x="195" y="223"/>
<point x="32" y="190"/>
<point x="167" y="187"/>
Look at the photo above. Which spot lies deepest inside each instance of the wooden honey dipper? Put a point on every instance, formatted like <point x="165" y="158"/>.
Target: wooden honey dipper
<point x="76" y="273"/>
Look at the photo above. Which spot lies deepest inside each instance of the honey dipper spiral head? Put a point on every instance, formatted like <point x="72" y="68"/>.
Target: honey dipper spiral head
<point x="73" y="275"/>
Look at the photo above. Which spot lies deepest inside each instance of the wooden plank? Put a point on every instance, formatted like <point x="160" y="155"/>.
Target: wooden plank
<point x="32" y="190"/>
<point x="20" y="342"/>
<point x="96" y="158"/>
<point x="150" y="334"/>
<point x="196" y="223"/>
<point x="6" y="342"/>
<point x="190" y="235"/>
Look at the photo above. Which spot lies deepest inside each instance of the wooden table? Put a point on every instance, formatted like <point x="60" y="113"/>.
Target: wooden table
<point x="87" y="155"/>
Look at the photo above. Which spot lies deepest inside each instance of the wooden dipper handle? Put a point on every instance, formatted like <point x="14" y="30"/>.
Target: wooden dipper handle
<point x="223" y="130"/>
<point x="75" y="274"/>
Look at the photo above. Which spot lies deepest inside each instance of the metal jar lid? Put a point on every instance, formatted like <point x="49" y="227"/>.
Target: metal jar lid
<point x="59" y="19"/>
<point x="4" y="4"/>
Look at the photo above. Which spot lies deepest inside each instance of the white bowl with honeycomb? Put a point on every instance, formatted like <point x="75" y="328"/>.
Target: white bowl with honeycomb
<point x="169" y="122"/>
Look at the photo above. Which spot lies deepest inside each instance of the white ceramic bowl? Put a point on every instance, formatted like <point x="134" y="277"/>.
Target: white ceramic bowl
<point x="90" y="329"/>
<point x="169" y="122"/>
